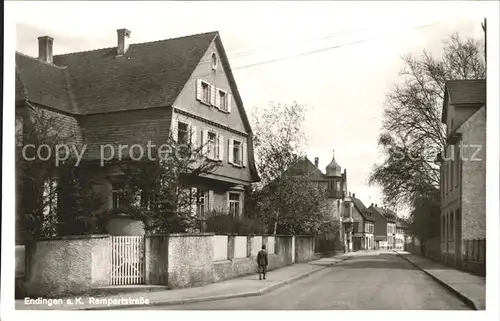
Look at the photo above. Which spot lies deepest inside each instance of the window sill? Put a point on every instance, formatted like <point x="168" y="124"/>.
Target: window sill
<point x="222" y="110"/>
<point x="237" y="165"/>
<point x="204" y="103"/>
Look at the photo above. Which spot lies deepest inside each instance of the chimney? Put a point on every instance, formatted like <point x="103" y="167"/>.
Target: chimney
<point x="316" y="161"/>
<point x="353" y="195"/>
<point x="45" y="45"/>
<point x="371" y="205"/>
<point x="123" y="44"/>
<point x="376" y="205"/>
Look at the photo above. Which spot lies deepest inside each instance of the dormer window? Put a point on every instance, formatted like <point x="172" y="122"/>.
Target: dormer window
<point x="214" y="61"/>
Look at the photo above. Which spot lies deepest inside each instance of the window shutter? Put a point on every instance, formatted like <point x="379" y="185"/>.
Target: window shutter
<point x="217" y="98"/>
<point x="216" y="152"/>
<point x="199" y="89"/>
<point x="229" y="99"/>
<point x="227" y="202"/>
<point x="210" y="200"/>
<point x="221" y="147"/>
<point x="244" y="156"/>
<point x="212" y="95"/>
<point x="204" y="138"/>
<point x="230" y="151"/>
<point x="175" y="126"/>
<point x="192" y="130"/>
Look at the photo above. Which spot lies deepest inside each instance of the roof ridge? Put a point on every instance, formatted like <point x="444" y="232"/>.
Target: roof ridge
<point x="40" y="61"/>
<point x="135" y="44"/>
<point x="80" y="52"/>
<point x="175" y="38"/>
<point x="462" y="80"/>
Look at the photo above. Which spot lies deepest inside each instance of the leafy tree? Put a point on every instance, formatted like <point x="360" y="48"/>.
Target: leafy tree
<point x="159" y="191"/>
<point x="221" y="223"/>
<point x="425" y="217"/>
<point x="283" y="200"/>
<point x="412" y="133"/>
<point x="42" y="208"/>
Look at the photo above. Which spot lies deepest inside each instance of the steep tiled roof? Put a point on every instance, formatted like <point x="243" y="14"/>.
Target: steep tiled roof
<point x="472" y="91"/>
<point x="362" y="209"/>
<point x="43" y="83"/>
<point x="390" y="215"/>
<point x="376" y="214"/>
<point x="149" y="75"/>
<point x="305" y="167"/>
<point x="20" y="91"/>
<point x="466" y="91"/>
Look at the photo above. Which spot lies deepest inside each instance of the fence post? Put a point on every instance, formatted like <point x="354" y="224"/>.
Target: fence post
<point x="230" y="247"/>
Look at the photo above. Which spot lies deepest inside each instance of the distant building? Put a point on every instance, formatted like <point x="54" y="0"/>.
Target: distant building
<point x="385" y="227"/>
<point x="401" y="227"/>
<point x="364" y="226"/>
<point x="463" y="171"/>
<point x="334" y="181"/>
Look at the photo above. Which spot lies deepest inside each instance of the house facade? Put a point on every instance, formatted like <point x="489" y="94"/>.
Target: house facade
<point x="385" y="227"/>
<point x="116" y="101"/>
<point x="364" y="226"/>
<point x="400" y="234"/>
<point x="391" y="228"/>
<point x="463" y="173"/>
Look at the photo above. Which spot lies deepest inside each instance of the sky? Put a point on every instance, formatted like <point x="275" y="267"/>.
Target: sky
<point x="358" y="55"/>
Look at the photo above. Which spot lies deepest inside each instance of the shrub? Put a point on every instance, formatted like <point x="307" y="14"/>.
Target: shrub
<point x="223" y="223"/>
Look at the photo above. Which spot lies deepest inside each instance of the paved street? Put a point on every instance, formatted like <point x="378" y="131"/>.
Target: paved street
<point x="370" y="281"/>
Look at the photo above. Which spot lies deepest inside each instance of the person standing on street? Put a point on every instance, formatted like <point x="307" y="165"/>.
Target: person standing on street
<point x="262" y="262"/>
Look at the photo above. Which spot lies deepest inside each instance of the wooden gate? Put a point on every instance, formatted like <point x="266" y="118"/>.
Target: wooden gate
<point x="127" y="260"/>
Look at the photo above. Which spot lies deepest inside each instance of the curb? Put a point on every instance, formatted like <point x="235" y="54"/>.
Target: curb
<point x="469" y="302"/>
<point x="218" y="297"/>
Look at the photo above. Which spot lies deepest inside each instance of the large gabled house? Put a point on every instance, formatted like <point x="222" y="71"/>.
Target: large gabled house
<point x="135" y="93"/>
<point x="463" y="175"/>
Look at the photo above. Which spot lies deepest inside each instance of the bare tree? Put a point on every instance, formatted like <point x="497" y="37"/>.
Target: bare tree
<point x="412" y="133"/>
<point x="284" y="199"/>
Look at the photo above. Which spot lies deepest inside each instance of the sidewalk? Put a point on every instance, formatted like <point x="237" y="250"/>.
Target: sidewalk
<point x="239" y="287"/>
<point x="469" y="287"/>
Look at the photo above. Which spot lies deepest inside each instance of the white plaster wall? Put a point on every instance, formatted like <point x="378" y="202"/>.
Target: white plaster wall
<point x="270" y="244"/>
<point x="256" y="245"/>
<point x="240" y="247"/>
<point x="220" y="247"/>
